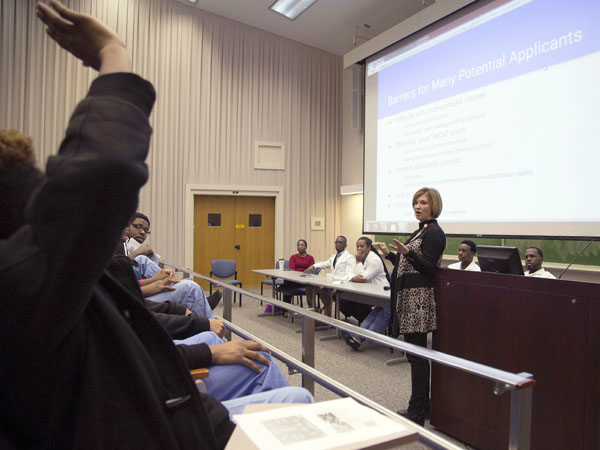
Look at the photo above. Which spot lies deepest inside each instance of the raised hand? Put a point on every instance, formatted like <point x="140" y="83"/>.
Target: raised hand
<point x="85" y="37"/>
<point x="384" y="249"/>
<point x="400" y="247"/>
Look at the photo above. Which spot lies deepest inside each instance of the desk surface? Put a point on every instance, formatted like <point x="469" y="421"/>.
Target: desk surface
<point x="367" y="289"/>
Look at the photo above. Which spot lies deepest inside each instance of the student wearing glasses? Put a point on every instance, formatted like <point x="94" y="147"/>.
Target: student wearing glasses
<point x="139" y="230"/>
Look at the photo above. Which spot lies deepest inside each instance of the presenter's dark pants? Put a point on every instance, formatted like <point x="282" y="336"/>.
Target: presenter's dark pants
<point x="419" y="376"/>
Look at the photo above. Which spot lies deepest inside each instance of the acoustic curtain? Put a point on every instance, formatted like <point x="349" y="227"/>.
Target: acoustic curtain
<point x="221" y="86"/>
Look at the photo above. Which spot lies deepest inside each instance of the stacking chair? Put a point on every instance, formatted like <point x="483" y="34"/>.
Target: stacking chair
<point x="225" y="268"/>
<point x="278" y="282"/>
<point x="301" y="291"/>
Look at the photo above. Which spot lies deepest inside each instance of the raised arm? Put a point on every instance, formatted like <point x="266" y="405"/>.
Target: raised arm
<point x="75" y="219"/>
<point x="432" y="248"/>
<point x="88" y="39"/>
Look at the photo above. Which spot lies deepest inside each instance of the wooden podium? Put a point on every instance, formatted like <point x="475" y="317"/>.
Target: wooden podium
<point x="549" y="328"/>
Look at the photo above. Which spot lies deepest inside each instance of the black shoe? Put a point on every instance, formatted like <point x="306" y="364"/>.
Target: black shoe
<point x="214" y="299"/>
<point x="404" y="412"/>
<point x="419" y="420"/>
<point x="351" y="341"/>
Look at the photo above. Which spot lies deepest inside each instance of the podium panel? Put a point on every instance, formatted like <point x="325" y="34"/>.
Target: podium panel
<point x="518" y="324"/>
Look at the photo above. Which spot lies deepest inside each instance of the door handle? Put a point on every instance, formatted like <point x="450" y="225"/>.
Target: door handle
<point x="237" y="247"/>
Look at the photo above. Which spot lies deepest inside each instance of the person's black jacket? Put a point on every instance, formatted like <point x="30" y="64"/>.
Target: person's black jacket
<point x="84" y="365"/>
<point x="176" y="323"/>
<point x="434" y="239"/>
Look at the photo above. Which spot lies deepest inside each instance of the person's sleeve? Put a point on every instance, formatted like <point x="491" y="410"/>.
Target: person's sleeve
<point x="391" y="256"/>
<point x="182" y="327"/>
<point x="293" y="262"/>
<point x="432" y="247"/>
<point x="311" y="260"/>
<point x="373" y="266"/>
<point x="168" y="307"/>
<point x="196" y="356"/>
<point x="75" y="219"/>
<point x="325" y="264"/>
<point x="349" y="266"/>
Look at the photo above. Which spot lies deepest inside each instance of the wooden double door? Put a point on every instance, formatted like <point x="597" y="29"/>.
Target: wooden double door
<point x="235" y="227"/>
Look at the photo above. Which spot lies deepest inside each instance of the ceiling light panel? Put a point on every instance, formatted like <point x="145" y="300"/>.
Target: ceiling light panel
<point x="291" y="8"/>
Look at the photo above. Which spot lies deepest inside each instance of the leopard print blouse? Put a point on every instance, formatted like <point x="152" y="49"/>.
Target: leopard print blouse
<point x="415" y="301"/>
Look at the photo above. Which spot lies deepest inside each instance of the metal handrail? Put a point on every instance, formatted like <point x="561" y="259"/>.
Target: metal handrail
<point x="519" y="385"/>
<point x="426" y="436"/>
<point x="511" y="380"/>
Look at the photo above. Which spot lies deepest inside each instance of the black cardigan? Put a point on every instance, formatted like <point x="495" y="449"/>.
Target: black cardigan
<point x="434" y="239"/>
<point x="84" y="364"/>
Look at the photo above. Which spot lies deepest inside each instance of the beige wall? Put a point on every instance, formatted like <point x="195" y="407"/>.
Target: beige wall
<point x="353" y="139"/>
<point x="221" y="86"/>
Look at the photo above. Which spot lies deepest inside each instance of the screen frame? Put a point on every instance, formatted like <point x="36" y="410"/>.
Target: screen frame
<point x="406" y="40"/>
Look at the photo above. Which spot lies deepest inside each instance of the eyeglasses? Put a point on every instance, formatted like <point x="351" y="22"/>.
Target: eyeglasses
<point x="137" y="226"/>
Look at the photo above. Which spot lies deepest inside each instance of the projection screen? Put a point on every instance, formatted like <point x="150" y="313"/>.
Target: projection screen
<point x="496" y="106"/>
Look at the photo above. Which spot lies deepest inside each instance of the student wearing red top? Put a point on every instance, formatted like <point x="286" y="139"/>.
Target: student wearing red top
<point x="302" y="260"/>
<point x="298" y="262"/>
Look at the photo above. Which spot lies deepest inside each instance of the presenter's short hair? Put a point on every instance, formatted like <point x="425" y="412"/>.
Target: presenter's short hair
<point x="470" y="244"/>
<point x="538" y="250"/>
<point x="435" y="200"/>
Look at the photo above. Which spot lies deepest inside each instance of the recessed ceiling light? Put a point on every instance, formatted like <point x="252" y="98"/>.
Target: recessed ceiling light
<point x="291" y="8"/>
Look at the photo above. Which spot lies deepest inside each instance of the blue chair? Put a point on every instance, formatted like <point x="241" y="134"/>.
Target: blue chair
<point x="278" y="282"/>
<point x="299" y="292"/>
<point x="225" y="268"/>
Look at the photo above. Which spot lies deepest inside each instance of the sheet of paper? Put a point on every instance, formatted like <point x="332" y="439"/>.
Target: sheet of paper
<point x="132" y="245"/>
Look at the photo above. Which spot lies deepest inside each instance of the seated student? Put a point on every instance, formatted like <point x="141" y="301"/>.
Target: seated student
<point x="160" y="285"/>
<point x="466" y="251"/>
<point x="342" y="263"/>
<point x="137" y="244"/>
<point x="369" y="268"/>
<point x="237" y="369"/>
<point x="534" y="258"/>
<point x="138" y="231"/>
<point x="84" y="364"/>
<point x="298" y="262"/>
<point x="175" y="317"/>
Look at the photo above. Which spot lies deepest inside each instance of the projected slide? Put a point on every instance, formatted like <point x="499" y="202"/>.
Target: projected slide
<point x="500" y="111"/>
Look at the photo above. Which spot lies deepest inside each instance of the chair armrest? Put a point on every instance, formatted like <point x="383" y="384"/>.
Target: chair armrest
<point x="199" y="374"/>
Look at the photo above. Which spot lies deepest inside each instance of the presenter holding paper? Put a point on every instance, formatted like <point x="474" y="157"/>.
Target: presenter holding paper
<point x="412" y="299"/>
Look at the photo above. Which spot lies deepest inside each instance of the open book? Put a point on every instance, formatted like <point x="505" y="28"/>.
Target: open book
<point x="334" y="424"/>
